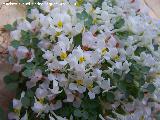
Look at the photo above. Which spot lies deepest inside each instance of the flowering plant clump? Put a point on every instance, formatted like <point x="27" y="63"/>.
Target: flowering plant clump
<point x="85" y="60"/>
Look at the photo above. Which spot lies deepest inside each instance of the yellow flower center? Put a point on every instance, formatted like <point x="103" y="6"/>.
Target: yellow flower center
<point x="63" y="55"/>
<point x="104" y="51"/>
<point x="41" y="101"/>
<point x="58" y="34"/>
<point x="81" y="59"/>
<point x="79" y="3"/>
<point x="95" y="21"/>
<point x="141" y="118"/>
<point x="17" y="111"/>
<point x="91" y="10"/>
<point x="79" y="82"/>
<point x="60" y="24"/>
<point x="90" y="86"/>
<point x="116" y="58"/>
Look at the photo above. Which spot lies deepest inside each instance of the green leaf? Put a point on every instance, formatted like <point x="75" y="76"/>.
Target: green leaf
<point x="13" y="77"/>
<point x="88" y="22"/>
<point x="123" y="34"/>
<point x="77" y="113"/>
<point x="120" y="110"/>
<point x="113" y="2"/>
<point x="26" y="37"/>
<point x="98" y="3"/>
<point x="27" y="72"/>
<point x="119" y="22"/>
<point x="30" y="94"/>
<point x="23" y="1"/>
<point x="108" y="96"/>
<point x="25" y="102"/>
<point x="141" y="95"/>
<point x="15" y="43"/>
<point x="8" y="27"/>
<point x="85" y="115"/>
<point x="157" y="116"/>
<point x="84" y="16"/>
<point x="139" y="50"/>
<point x="29" y="66"/>
<point x="12" y="86"/>
<point x="151" y="88"/>
<point x="77" y="40"/>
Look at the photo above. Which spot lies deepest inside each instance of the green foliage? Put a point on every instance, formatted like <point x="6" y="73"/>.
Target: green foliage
<point x="123" y="34"/>
<point x="113" y="2"/>
<point x="150" y="88"/>
<point x="25" y="102"/>
<point x="139" y="50"/>
<point x="66" y="111"/>
<point x="157" y="116"/>
<point x="15" y="43"/>
<point x="98" y="3"/>
<point x="28" y="72"/>
<point x="108" y="97"/>
<point x="77" y="40"/>
<point x="119" y="22"/>
<point x="131" y="83"/>
<point x="77" y="113"/>
<point x="24" y="1"/>
<point x="120" y="110"/>
<point x="12" y="86"/>
<point x="12" y="81"/>
<point x="92" y="108"/>
<point x="26" y="37"/>
<point x="8" y="27"/>
<point x="28" y="99"/>
<point x="86" y="18"/>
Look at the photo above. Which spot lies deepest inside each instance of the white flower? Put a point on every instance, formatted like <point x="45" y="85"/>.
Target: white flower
<point x="56" y="65"/>
<point x="111" y="54"/>
<point x="38" y="107"/>
<point x="41" y="93"/>
<point x="61" y="48"/>
<point x="70" y="96"/>
<point x="16" y="35"/>
<point x="56" y="106"/>
<point x="25" y="117"/>
<point x="105" y="85"/>
<point x="13" y="116"/>
<point x="79" y="88"/>
<point x="45" y="6"/>
<point x="22" y="52"/>
<point x="17" y="67"/>
<point x="77" y="29"/>
<point x="37" y="75"/>
<point x="55" y="89"/>
<point x="90" y="41"/>
<point x="48" y="55"/>
<point x="11" y="51"/>
<point x="148" y="59"/>
<point x="34" y="14"/>
<point x="134" y="24"/>
<point x="44" y="44"/>
<point x="123" y="66"/>
<point x="24" y="25"/>
<point x="56" y="116"/>
<point x="17" y="104"/>
<point x="91" y="95"/>
<point x="88" y="7"/>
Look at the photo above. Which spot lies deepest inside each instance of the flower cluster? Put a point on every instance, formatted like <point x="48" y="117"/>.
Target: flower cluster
<point x="85" y="59"/>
